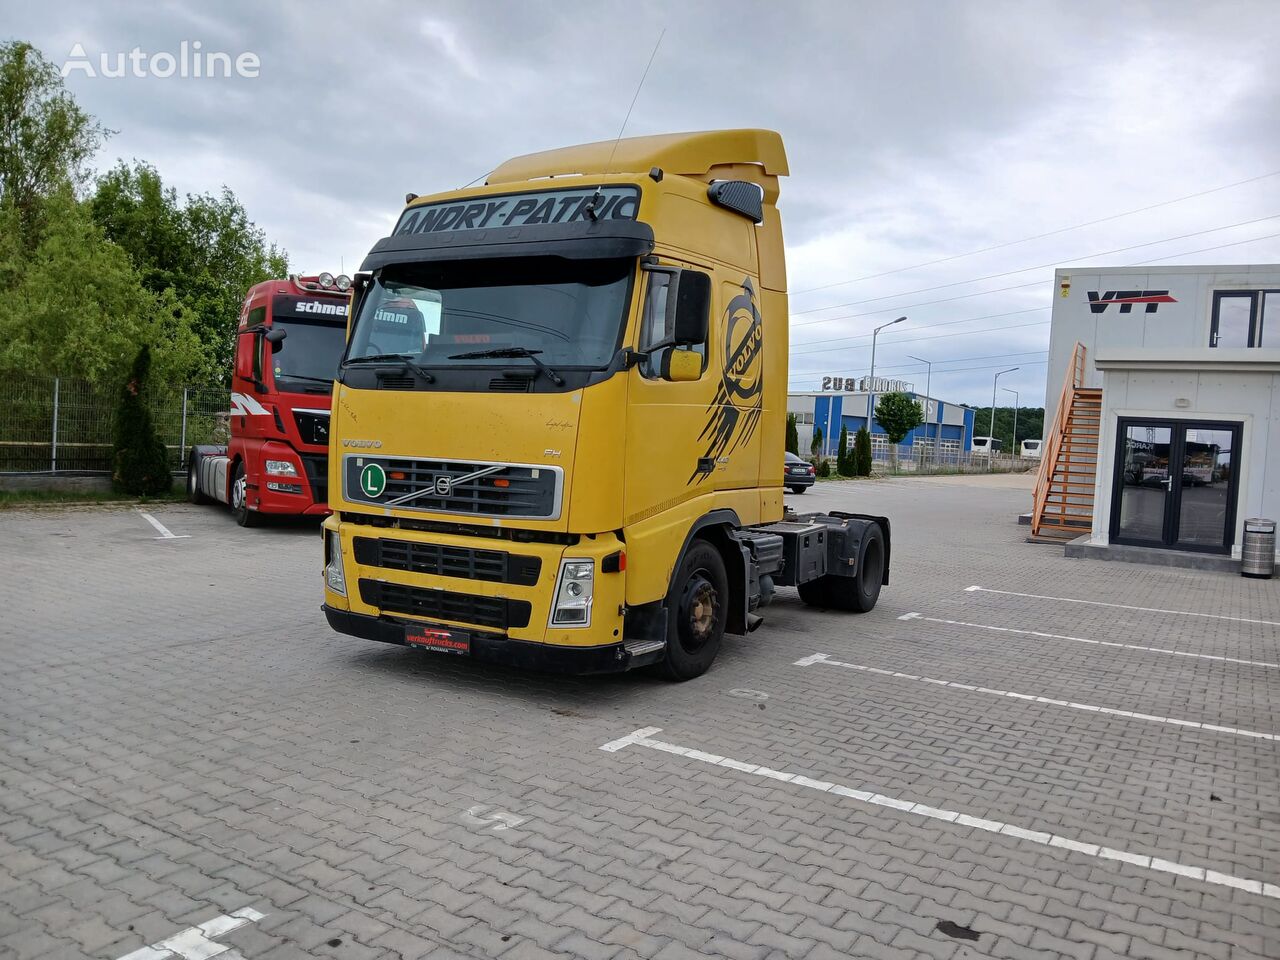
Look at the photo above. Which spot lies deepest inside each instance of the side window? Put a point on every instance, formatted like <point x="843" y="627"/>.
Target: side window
<point x="1232" y="319"/>
<point x="257" y="316"/>
<point x="657" y="321"/>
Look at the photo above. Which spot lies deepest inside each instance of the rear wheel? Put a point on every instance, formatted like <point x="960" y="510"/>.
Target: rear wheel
<point x="240" y="500"/>
<point x="697" y="611"/>
<point x="799" y="489"/>
<point x="858" y="593"/>
<point x="194" y="493"/>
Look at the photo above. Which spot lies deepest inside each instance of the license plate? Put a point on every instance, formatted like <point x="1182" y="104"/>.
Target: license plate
<point x="439" y="639"/>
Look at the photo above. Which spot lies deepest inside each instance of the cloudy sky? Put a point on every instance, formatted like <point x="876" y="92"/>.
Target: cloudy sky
<point x="917" y="132"/>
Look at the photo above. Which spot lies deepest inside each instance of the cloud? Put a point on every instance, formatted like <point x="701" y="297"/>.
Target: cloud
<point x="916" y="130"/>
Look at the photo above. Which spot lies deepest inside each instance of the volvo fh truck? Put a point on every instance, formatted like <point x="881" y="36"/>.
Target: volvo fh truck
<point x="557" y="435"/>
<point x="289" y="341"/>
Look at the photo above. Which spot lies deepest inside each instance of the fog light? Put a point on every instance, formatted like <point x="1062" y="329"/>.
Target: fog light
<point x="334" y="577"/>
<point x="573" y="593"/>
<point x="325" y="279"/>
<point x="342" y="281"/>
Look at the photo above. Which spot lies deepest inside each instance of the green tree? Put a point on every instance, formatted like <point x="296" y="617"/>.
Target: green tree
<point x="862" y="453"/>
<point x="141" y="460"/>
<point x="844" y="457"/>
<point x="73" y="306"/>
<point x="816" y="444"/>
<point x="1030" y="424"/>
<point x="205" y="249"/>
<point x="793" y="435"/>
<point x="46" y="140"/>
<point x="898" y="414"/>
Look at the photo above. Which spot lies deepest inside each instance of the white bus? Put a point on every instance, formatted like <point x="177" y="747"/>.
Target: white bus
<point x="1031" y="449"/>
<point x="983" y="446"/>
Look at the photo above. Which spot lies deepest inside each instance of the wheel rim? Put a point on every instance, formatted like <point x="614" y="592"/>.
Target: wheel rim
<point x="238" y="493"/>
<point x="699" y="612"/>
<point x="191" y="479"/>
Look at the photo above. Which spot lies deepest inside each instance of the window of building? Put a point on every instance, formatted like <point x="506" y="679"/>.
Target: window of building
<point x="1240" y="319"/>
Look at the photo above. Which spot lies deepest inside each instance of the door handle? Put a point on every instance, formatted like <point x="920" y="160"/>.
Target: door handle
<point x="1168" y="483"/>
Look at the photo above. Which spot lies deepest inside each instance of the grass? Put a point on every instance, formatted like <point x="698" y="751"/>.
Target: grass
<point x="12" y="499"/>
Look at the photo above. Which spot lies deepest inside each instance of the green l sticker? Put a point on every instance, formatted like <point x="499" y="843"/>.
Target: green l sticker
<point x="373" y="480"/>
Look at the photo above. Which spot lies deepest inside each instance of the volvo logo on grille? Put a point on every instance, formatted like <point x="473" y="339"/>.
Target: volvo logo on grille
<point x="444" y="486"/>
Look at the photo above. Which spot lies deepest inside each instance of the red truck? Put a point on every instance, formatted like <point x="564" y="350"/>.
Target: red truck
<point x="290" y="340"/>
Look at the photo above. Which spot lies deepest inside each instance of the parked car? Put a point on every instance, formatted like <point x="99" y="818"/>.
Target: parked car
<point x="797" y="474"/>
<point x="1031" y="449"/>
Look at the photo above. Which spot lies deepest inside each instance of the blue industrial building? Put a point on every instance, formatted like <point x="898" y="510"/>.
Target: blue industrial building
<point x="949" y="424"/>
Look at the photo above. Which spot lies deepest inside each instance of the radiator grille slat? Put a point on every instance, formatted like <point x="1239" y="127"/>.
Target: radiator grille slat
<point x="513" y="490"/>
<point x="494" y="566"/>
<point x="495" y="612"/>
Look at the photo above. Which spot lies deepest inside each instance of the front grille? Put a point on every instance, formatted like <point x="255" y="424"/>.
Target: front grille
<point x="494" y="566"/>
<point x="313" y="426"/>
<point x="445" y="605"/>
<point x="513" y="491"/>
<point x="316" y="467"/>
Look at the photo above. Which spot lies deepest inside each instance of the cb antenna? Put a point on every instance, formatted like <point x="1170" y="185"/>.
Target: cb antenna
<point x="595" y="200"/>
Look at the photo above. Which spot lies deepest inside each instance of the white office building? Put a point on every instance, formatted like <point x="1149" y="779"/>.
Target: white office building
<point x="1162" y="417"/>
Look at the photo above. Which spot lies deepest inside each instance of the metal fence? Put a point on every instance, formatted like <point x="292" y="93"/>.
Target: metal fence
<point x="59" y="425"/>
<point x="924" y="457"/>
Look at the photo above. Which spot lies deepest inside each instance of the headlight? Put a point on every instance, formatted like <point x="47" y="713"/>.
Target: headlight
<point x="325" y="279"/>
<point x="281" y="468"/>
<point x="573" y="594"/>
<point x="334" y="578"/>
<point x="342" y="282"/>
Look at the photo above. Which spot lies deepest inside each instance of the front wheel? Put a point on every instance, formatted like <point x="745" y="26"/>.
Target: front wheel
<point x="858" y="593"/>
<point x="697" y="608"/>
<point x="240" y="500"/>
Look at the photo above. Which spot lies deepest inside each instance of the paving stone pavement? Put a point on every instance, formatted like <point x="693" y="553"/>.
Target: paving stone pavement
<point x="182" y="737"/>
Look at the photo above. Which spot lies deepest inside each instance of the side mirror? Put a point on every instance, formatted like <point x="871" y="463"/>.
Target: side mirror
<point x="691" y="306"/>
<point x="275" y="335"/>
<point x="681" y="366"/>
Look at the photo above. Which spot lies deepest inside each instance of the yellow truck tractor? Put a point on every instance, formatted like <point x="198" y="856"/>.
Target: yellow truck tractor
<point x="557" y="436"/>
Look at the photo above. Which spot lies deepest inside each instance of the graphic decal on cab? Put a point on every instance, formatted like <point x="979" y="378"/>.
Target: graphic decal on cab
<point x="734" y="413"/>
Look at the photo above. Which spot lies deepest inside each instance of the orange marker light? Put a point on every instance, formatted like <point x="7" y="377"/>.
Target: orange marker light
<point x="396" y="474"/>
<point x="502" y="483"/>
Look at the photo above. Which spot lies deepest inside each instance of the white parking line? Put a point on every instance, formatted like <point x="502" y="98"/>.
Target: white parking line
<point x="1123" y="606"/>
<point x="822" y="658"/>
<point x="644" y="738"/>
<point x="1100" y="643"/>
<point x="165" y="532"/>
<point x="197" y="943"/>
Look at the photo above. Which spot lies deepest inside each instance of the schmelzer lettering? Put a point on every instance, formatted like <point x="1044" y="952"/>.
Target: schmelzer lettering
<point x="523" y="210"/>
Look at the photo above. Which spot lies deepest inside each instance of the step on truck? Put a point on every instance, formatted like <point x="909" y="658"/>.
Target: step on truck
<point x="557" y="435"/>
<point x="289" y="341"/>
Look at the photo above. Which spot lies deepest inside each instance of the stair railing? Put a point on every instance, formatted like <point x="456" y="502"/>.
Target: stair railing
<point x="1053" y="438"/>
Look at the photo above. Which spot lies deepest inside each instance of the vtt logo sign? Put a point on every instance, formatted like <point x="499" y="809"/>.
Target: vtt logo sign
<point x="1127" y="298"/>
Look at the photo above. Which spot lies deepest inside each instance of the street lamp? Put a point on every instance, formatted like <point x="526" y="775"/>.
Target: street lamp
<point x="928" y="380"/>
<point x="991" y="437"/>
<point x="1016" y="448"/>
<point x="871" y="394"/>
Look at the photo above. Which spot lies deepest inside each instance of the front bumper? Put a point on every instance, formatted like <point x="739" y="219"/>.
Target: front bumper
<point x="493" y="648"/>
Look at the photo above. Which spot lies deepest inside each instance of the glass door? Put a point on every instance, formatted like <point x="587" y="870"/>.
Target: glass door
<point x="1175" y="485"/>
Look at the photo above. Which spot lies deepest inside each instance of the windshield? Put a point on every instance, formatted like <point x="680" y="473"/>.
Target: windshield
<point x="570" y="311"/>
<point x="310" y="353"/>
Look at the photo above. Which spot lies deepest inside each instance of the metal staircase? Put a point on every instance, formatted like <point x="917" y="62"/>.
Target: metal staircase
<point x="1063" y="506"/>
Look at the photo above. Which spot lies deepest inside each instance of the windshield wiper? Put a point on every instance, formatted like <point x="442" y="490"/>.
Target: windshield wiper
<point x="500" y="353"/>
<point x="299" y="376"/>
<point x="404" y="359"/>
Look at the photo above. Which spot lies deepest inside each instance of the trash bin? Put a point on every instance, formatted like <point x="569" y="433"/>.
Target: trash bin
<point x="1258" y="555"/>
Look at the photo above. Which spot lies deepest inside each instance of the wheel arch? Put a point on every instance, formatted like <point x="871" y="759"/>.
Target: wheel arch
<point x="719" y="528"/>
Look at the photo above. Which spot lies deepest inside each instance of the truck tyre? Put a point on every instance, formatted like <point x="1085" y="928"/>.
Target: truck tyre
<point x="858" y="593"/>
<point x="240" y="499"/>
<point x="194" y="493"/>
<point x="697" y="610"/>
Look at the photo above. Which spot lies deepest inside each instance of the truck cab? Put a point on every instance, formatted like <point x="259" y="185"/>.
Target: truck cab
<point x="558" y="429"/>
<point x="290" y="338"/>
